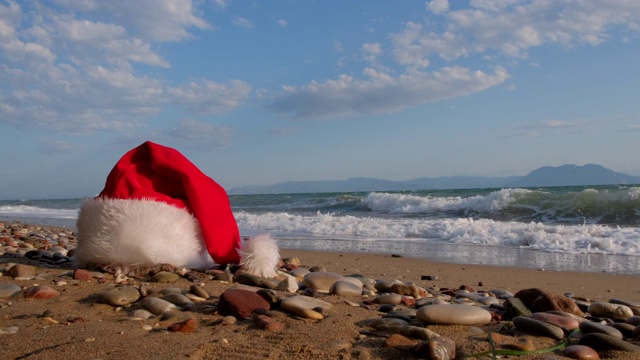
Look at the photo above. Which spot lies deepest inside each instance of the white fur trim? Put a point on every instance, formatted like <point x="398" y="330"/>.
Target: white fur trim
<point x="139" y="232"/>
<point x="259" y="255"/>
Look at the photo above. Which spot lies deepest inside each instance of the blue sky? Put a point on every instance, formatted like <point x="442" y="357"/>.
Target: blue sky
<point x="259" y="92"/>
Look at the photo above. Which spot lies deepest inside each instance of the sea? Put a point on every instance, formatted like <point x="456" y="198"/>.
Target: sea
<point x="577" y="228"/>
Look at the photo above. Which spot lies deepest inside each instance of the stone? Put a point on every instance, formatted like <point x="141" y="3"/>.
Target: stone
<point x="241" y="303"/>
<point x="305" y="306"/>
<point x="178" y="300"/>
<point x="609" y="310"/>
<point x="580" y="352"/>
<point x="40" y="292"/>
<point x="536" y="327"/>
<point x="120" y="296"/>
<point x="391" y="299"/>
<point x="21" y="271"/>
<point x="387" y="322"/>
<point x="265" y="322"/>
<point x="515" y="307"/>
<point x="345" y="288"/>
<point x="624" y="328"/>
<point x="140" y="314"/>
<point x="269" y="295"/>
<point x="186" y="326"/>
<point x="540" y="300"/>
<point x="511" y="342"/>
<point x="288" y="283"/>
<point x="255" y="280"/>
<point x="404" y="289"/>
<point x="563" y="322"/>
<point x="438" y="348"/>
<point x="165" y="277"/>
<point x="588" y="327"/>
<point x="82" y="274"/>
<point x="9" y="290"/>
<point x="299" y="273"/>
<point x="384" y="286"/>
<point x="157" y="306"/>
<point x="633" y="320"/>
<point x="9" y="330"/>
<point x="401" y="342"/>
<point x="320" y="280"/>
<point x="456" y="314"/>
<point x="599" y="341"/>
<point x="199" y="291"/>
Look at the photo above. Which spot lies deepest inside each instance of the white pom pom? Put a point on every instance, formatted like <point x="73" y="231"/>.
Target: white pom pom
<point x="259" y="255"/>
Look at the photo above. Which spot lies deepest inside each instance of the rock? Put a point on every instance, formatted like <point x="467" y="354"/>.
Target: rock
<point x="40" y="292"/>
<point x="157" y="306"/>
<point x="345" y="288"/>
<point x="9" y="290"/>
<point x="439" y="348"/>
<point x="581" y="352"/>
<point x="140" y="314"/>
<point x="563" y="322"/>
<point x="429" y="277"/>
<point x="178" y="300"/>
<point x="511" y="342"/>
<point x="305" y="306"/>
<point x="540" y="300"/>
<point x="199" y="291"/>
<point x="265" y="322"/>
<point x="588" y="327"/>
<point x="387" y="322"/>
<point x="165" y="277"/>
<point x="269" y="295"/>
<point x="608" y="310"/>
<point x="401" y="342"/>
<point x="21" y="271"/>
<point x="515" y="307"/>
<point x="624" y="328"/>
<point x="384" y="286"/>
<point x="288" y="283"/>
<point x="255" y="280"/>
<point x="409" y="290"/>
<point x="599" y="341"/>
<point x="82" y="274"/>
<point x="536" y="327"/>
<point x="321" y="280"/>
<point x="186" y="326"/>
<point x="223" y="276"/>
<point x="241" y="303"/>
<point x="391" y="299"/>
<point x="119" y="296"/>
<point x="299" y="273"/>
<point x="634" y="320"/>
<point x="456" y="314"/>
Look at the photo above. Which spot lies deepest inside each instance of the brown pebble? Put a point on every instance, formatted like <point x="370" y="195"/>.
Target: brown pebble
<point x="400" y="342"/>
<point x="266" y="323"/>
<point x="82" y="274"/>
<point x="40" y="292"/>
<point x="21" y="270"/>
<point x="187" y="326"/>
<point x="581" y="352"/>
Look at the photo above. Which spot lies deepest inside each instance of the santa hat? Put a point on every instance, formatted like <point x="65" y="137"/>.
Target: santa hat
<point x="157" y="207"/>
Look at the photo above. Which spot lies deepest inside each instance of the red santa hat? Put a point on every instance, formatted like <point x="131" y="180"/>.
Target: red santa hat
<point x="158" y="207"/>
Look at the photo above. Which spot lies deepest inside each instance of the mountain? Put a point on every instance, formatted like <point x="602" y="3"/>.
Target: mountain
<point x="573" y="175"/>
<point x="565" y="175"/>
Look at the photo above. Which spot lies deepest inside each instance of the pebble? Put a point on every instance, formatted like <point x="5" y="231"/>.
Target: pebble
<point x="264" y="322"/>
<point x="241" y="303"/>
<point x="120" y="296"/>
<point x="438" y="348"/>
<point x="255" y="280"/>
<point x="581" y="352"/>
<point x="165" y="277"/>
<point x="9" y="330"/>
<point x="536" y="327"/>
<point x="391" y="299"/>
<point x="345" y="288"/>
<point x="9" y="290"/>
<point x="186" y="326"/>
<point x="588" y="327"/>
<point x="199" y="291"/>
<point x="81" y="274"/>
<point x="157" y="306"/>
<point x="563" y="322"/>
<point x="299" y="273"/>
<point x="288" y="283"/>
<point x="40" y="292"/>
<point x="178" y="300"/>
<point x="540" y="300"/>
<point x="599" y="341"/>
<point x="140" y="314"/>
<point x="609" y="310"/>
<point x="385" y="321"/>
<point x="21" y="271"/>
<point x="511" y="342"/>
<point x="320" y="280"/>
<point x="305" y="306"/>
<point x="455" y="314"/>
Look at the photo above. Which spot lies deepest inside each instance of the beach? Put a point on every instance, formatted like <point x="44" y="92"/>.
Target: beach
<point x="75" y="324"/>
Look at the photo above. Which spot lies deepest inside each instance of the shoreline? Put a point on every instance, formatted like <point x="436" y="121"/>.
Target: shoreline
<point x="75" y="322"/>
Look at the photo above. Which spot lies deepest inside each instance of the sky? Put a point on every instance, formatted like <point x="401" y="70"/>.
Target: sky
<point x="260" y="92"/>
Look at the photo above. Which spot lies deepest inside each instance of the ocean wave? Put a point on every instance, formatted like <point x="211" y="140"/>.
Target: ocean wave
<point x="28" y="211"/>
<point x="561" y="238"/>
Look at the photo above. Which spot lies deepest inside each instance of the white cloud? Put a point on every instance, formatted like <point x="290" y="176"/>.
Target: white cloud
<point x="438" y="6"/>
<point x="49" y="145"/>
<point x="242" y="22"/>
<point x="372" y="51"/>
<point x="381" y="93"/>
<point x="282" y="23"/>
<point x="197" y="134"/>
<point x="207" y="97"/>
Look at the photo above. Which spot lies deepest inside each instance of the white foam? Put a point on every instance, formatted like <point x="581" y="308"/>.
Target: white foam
<point x="26" y="211"/>
<point x="562" y="238"/>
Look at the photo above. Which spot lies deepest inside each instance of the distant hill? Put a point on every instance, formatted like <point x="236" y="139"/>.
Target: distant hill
<point x="565" y="175"/>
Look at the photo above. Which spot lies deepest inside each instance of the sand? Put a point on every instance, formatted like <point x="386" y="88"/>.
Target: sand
<point x="79" y="328"/>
